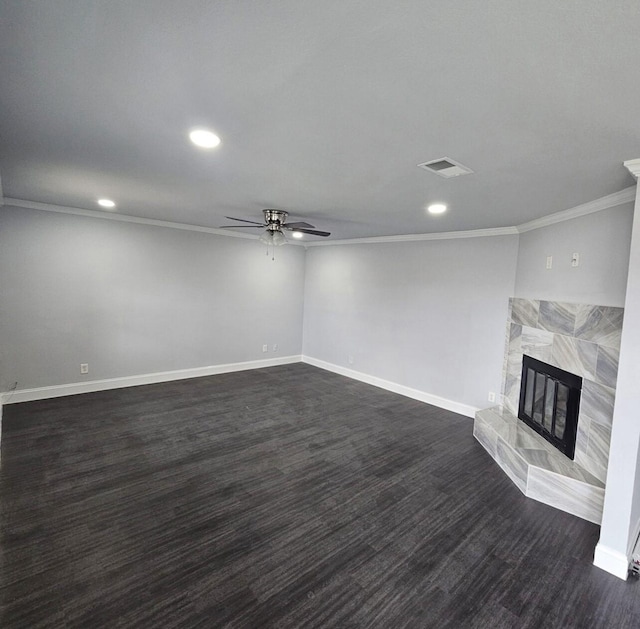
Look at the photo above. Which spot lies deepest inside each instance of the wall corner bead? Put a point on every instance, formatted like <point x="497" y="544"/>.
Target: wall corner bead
<point x="633" y="166"/>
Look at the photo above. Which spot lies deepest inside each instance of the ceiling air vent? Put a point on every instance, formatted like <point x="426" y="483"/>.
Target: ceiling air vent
<point x="446" y="167"/>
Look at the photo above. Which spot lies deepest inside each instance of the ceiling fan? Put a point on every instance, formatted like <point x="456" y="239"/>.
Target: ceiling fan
<point x="275" y="224"/>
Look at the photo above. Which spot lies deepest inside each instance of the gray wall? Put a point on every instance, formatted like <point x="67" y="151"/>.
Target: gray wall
<point x="602" y="240"/>
<point x="133" y="299"/>
<point x="429" y="315"/>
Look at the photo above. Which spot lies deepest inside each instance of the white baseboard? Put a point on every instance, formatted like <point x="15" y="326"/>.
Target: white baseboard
<point x="43" y="393"/>
<point x="415" y="394"/>
<point x="612" y="561"/>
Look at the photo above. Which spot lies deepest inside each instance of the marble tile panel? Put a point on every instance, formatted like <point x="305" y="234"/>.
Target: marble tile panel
<point x="607" y="366"/>
<point x="512" y="464"/>
<point x="558" y="317"/>
<point x="486" y="437"/>
<point x="511" y="399"/>
<point x="600" y="324"/>
<point x="581" y="499"/>
<point x="598" y="450"/>
<point x="531" y="447"/>
<point x="596" y="403"/>
<point x="582" y="460"/>
<point x="526" y="441"/>
<point x="515" y="338"/>
<point x="537" y="343"/>
<point x="524" y="311"/>
<point x="575" y="356"/>
<point x="506" y="352"/>
<point x="582" y="437"/>
<point x="492" y="419"/>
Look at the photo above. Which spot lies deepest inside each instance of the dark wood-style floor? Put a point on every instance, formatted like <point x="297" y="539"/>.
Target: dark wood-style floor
<point x="283" y="497"/>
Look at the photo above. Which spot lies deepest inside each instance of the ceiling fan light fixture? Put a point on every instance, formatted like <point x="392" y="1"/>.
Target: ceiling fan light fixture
<point x="297" y="235"/>
<point x="278" y="238"/>
<point x="267" y="238"/>
<point x="273" y="238"/>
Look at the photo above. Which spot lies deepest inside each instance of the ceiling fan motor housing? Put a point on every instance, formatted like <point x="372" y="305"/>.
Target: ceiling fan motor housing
<point x="274" y="219"/>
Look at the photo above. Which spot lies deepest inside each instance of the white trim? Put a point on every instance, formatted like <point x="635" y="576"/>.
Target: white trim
<point x="125" y="218"/>
<point x="633" y="166"/>
<point x="415" y="394"/>
<point x="471" y="233"/>
<point x="612" y="561"/>
<point x="43" y="393"/>
<point x="612" y="200"/>
<point x="604" y="203"/>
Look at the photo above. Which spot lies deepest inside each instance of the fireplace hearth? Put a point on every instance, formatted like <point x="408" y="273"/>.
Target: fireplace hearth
<point x="550" y="402"/>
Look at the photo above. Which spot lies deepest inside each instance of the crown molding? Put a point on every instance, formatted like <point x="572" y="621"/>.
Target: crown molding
<point x="123" y="218"/>
<point x="633" y="166"/>
<point x="612" y="200"/>
<point x="597" y="205"/>
<point x="471" y="233"/>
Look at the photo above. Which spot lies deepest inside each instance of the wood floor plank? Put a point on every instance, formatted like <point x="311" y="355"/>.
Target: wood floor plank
<point x="283" y="497"/>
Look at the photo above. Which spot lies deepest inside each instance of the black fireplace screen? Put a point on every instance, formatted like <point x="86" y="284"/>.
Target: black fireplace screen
<point x="549" y="403"/>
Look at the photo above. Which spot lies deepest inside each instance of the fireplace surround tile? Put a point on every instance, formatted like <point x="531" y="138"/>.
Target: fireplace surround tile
<point x="598" y="448"/>
<point x="536" y="343"/>
<point x="600" y="324"/>
<point x="558" y="317"/>
<point x="574" y="355"/>
<point x="597" y="402"/>
<point x="607" y="366"/>
<point x="515" y="337"/>
<point x="524" y="311"/>
<point x="582" y="439"/>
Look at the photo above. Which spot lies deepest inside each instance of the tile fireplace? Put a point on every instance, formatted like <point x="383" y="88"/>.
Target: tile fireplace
<point x="582" y="340"/>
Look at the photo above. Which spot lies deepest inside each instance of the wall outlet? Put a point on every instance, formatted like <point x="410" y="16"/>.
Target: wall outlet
<point x="575" y="259"/>
<point x="275" y="347"/>
<point x="492" y="396"/>
<point x="84" y="368"/>
<point x="265" y="348"/>
<point x="350" y="359"/>
<point x="549" y="261"/>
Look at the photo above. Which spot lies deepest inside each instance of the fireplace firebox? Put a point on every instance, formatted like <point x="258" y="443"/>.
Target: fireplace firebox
<point x="550" y="402"/>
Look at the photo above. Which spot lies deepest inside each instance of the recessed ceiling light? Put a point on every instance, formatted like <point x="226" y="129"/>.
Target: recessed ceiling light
<point x="437" y="208"/>
<point x="297" y="234"/>
<point x="204" y="138"/>
<point x="108" y="203"/>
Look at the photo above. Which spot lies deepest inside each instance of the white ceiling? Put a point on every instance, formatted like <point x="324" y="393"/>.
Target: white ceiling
<point x="324" y="108"/>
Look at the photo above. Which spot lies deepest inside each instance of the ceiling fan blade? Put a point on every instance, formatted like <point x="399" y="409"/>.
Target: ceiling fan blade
<point x="244" y="220"/>
<point x="315" y="232"/>
<point x="241" y="226"/>
<point x="301" y="225"/>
